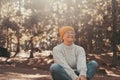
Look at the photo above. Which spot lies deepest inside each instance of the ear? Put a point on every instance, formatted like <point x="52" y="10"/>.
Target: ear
<point x="63" y="37"/>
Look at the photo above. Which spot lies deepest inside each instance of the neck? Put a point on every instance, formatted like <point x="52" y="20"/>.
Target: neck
<point x="68" y="43"/>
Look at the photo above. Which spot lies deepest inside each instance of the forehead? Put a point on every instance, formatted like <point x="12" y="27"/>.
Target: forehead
<point x="70" y="31"/>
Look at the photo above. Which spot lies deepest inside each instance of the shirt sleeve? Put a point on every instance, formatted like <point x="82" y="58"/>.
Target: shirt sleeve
<point x="81" y="61"/>
<point x="59" y="58"/>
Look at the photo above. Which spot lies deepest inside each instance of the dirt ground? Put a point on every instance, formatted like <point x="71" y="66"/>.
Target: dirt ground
<point x="37" y="68"/>
<point x="20" y="73"/>
<point x="8" y="72"/>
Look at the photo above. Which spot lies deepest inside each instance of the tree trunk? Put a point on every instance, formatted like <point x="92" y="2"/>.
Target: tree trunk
<point x="32" y="48"/>
<point x="18" y="46"/>
<point x="114" y="21"/>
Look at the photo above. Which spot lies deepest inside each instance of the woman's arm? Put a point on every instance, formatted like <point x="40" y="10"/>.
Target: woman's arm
<point x="81" y="61"/>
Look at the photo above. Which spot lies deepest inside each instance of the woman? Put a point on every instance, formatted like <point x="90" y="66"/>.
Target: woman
<point x="70" y="59"/>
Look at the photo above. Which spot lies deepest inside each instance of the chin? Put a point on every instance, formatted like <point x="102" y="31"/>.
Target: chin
<point x="71" y="40"/>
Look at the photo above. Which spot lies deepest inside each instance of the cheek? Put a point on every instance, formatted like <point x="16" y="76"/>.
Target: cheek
<point x="71" y="36"/>
<point x="64" y="37"/>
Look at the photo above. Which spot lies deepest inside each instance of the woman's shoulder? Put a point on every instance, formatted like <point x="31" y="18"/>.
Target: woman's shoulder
<point x="78" y="47"/>
<point x="58" y="46"/>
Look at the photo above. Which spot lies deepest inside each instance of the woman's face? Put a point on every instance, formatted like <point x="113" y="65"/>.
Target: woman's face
<point x="69" y="36"/>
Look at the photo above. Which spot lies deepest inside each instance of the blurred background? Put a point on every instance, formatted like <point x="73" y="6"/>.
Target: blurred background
<point x="32" y="25"/>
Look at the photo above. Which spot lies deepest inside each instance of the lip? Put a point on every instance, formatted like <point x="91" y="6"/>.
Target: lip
<point x="70" y="37"/>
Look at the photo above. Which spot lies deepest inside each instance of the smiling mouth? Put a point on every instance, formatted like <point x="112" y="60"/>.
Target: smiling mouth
<point x="70" y="37"/>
